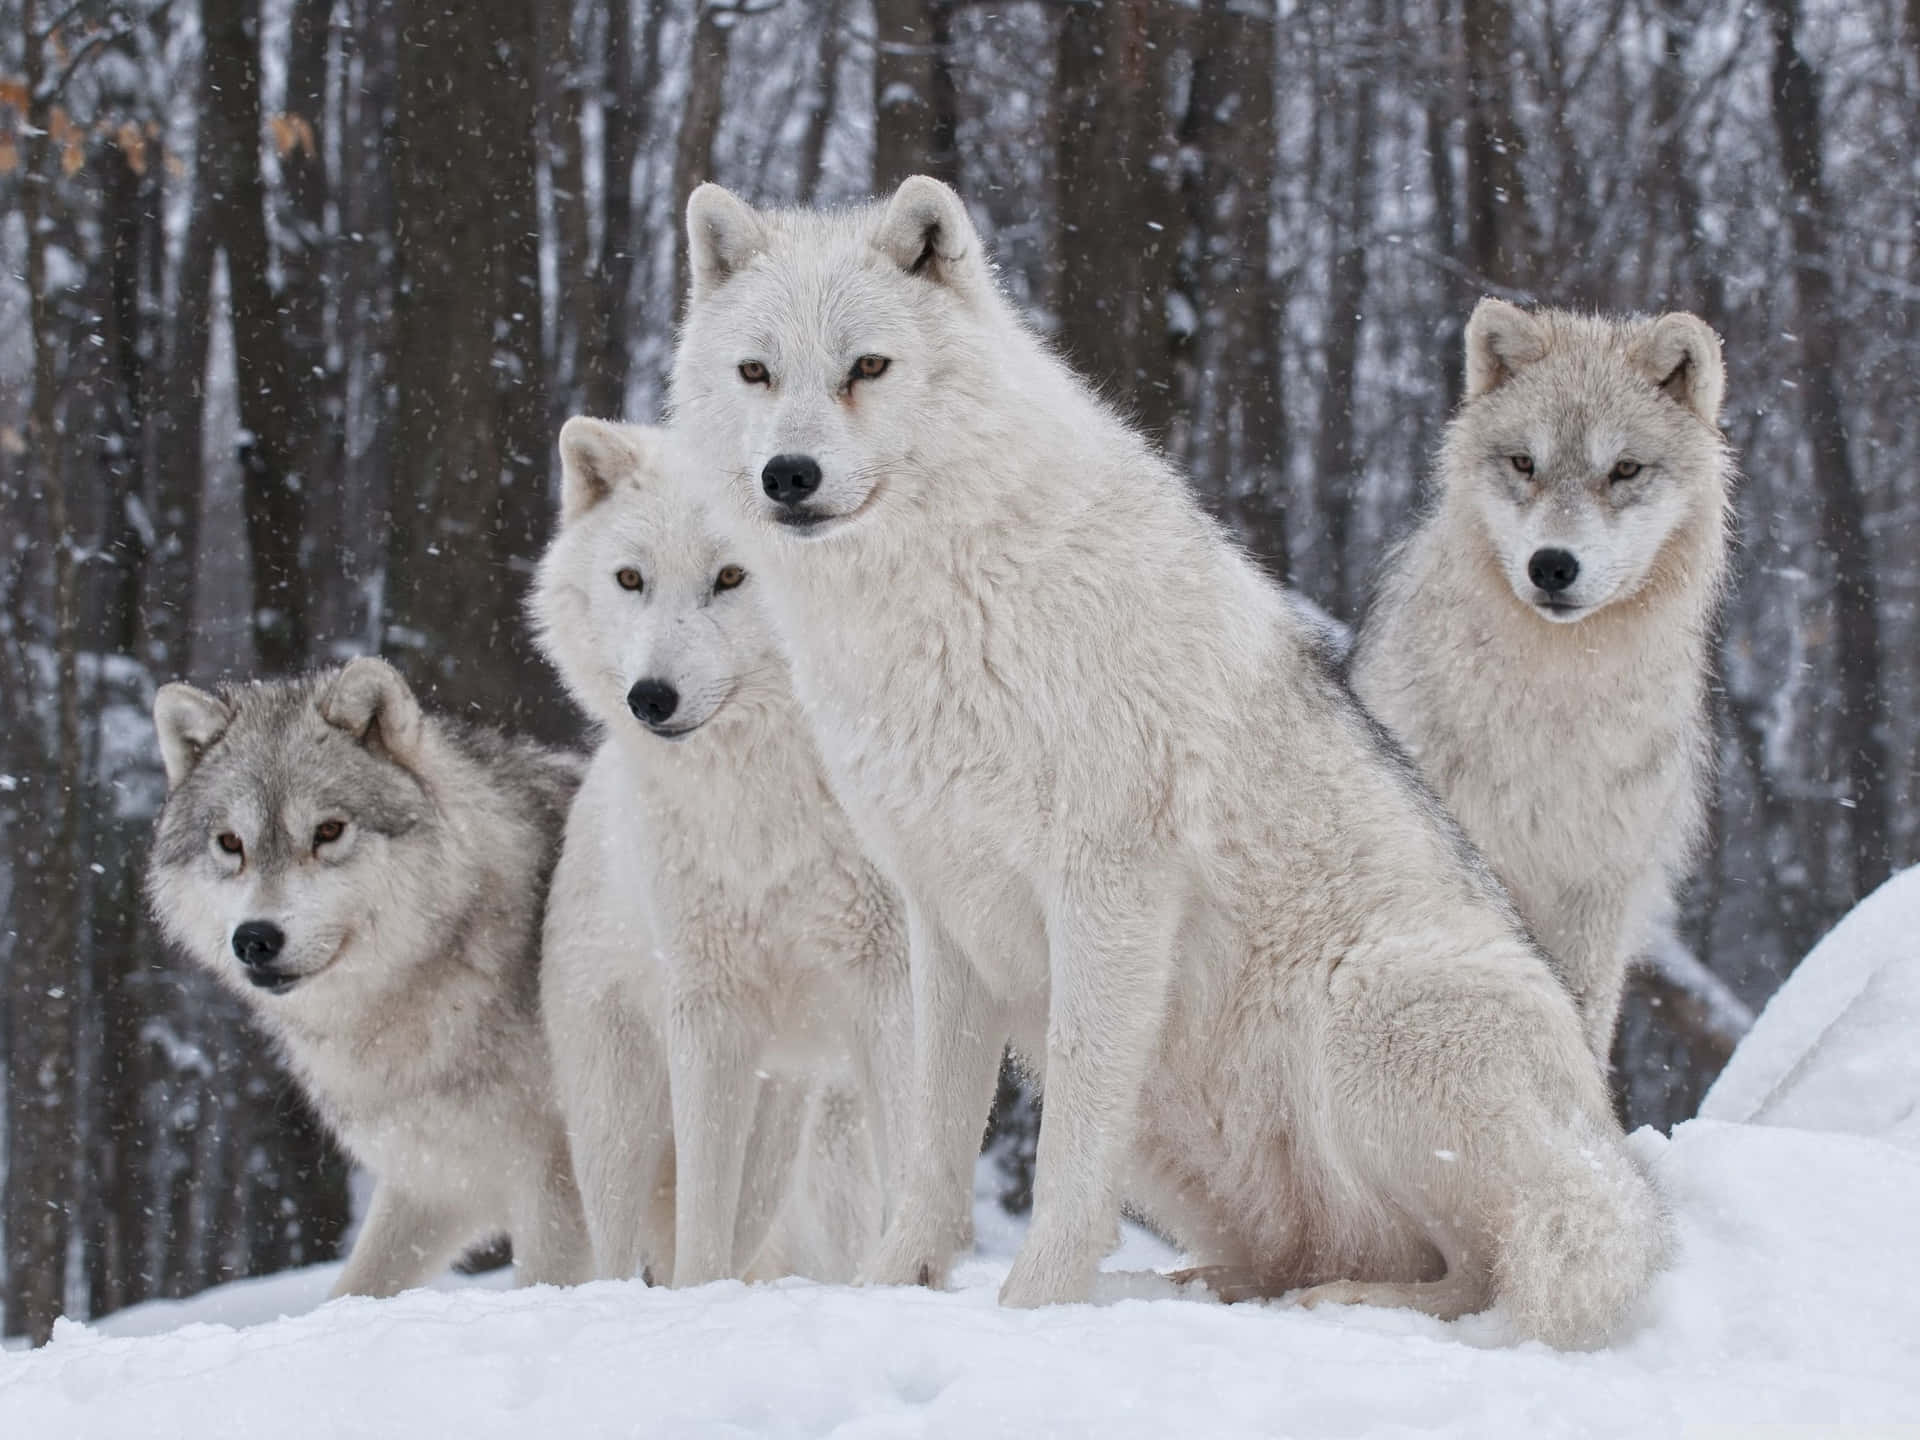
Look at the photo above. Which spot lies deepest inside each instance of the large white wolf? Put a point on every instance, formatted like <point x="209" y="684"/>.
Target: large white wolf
<point x="1540" y="644"/>
<point x="725" y="976"/>
<point x="1138" y="825"/>
<point x="370" y="879"/>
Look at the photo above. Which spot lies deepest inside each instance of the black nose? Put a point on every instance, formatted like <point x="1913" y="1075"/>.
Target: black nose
<point x="258" y="942"/>
<point x="789" y="479"/>
<point x="652" y="701"/>
<point x="1553" y="570"/>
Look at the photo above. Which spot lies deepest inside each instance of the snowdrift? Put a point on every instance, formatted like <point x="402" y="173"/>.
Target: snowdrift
<point x="1838" y="1046"/>
<point x="1793" y="1298"/>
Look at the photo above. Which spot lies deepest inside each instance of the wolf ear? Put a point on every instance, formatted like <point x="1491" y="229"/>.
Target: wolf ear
<point x="1681" y="354"/>
<point x="723" y="234"/>
<point x="925" y="230"/>
<point x="188" y="721"/>
<point x="370" y="701"/>
<point x="1502" y="339"/>
<point x="595" y="456"/>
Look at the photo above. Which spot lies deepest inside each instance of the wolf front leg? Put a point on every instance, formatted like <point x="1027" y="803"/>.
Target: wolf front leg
<point x="405" y="1242"/>
<point x="550" y="1240"/>
<point x="715" y="1094"/>
<point x="1110" y="944"/>
<point x="959" y="1032"/>
<point x="610" y="1070"/>
<point x="779" y="1127"/>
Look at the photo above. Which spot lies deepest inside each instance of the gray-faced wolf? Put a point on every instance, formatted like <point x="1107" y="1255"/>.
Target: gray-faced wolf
<point x="370" y="879"/>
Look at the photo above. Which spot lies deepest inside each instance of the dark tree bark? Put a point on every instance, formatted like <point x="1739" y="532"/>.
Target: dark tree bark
<point x="1335" y="463"/>
<point x="1502" y="240"/>
<point x="913" y="92"/>
<point x="1862" y="742"/>
<point x="699" y="122"/>
<point x="1118" y="203"/>
<point x="626" y="109"/>
<point x="42" y="1118"/>
<point x="1439" y="108"/>
<point x="1238" y="448"/>
<point x="562" y="104"/>
<point x="306" y="258"/>
<point x="826" y="68"/>
<point x="469" y="509"/>
<point x="275" y="409"/>
<point x="168" y="591"/>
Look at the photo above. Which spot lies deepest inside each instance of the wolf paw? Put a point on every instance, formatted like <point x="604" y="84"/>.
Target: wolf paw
<point x="905" y="1262"/>
<point x="1039" y="1278"/>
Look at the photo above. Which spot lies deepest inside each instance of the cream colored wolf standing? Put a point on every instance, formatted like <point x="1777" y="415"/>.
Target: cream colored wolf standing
<point x="1540" y="643"/>
<point x="725" y="976"/>
<point x="370" y="879"/>
<point x="1139" y="826"/>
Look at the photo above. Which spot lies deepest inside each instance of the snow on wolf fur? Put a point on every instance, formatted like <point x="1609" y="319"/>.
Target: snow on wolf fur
<point x="1140" y="829"/>
<point x="370" y="879"/>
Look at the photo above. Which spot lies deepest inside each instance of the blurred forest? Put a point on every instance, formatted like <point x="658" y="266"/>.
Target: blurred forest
<point x="296" y="293"/>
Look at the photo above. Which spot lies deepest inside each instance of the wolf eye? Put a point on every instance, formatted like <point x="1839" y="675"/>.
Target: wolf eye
<point x="1522" y="463"/>
<point x="628" y="577"/>
<point x="328" y="831"/>
<point x="1625" y="470"/>
<point x="870" y="367"/>
<point x="729" y="578"/>
<point x="229" y="842"/>
<point x="753" y="372"/>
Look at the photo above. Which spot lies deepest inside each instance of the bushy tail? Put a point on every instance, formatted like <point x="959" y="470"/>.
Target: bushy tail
<point x="1585" y="1235"/>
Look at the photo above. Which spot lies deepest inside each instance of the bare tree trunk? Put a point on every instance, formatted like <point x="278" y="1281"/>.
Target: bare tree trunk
<point x="1117" y="198"/>
<point x="1502" y="240"/>
<point x="914" y="103"/>
<point x="42" y="1118"/>
<point x="1861" y="739"/>
<point x="699" y="121"/>
<point x="274" y="409"/>
<point x="558" y="79"/>
<point x="470" y="507"/>
<point x="826" y="65"/>
<point x="1441" y="68"/>
<point x="625" y="110"/>
<point x="1336" y="467"/>
<point x="1238" y="451"/>
<point x="308" y="273"/>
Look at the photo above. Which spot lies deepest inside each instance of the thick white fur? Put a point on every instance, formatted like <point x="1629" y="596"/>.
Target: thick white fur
<point x="1139" y="828"/>
<point x="724" y="977"/>
<point x="414" y="1028"/>
<point x="1573" y="746"/>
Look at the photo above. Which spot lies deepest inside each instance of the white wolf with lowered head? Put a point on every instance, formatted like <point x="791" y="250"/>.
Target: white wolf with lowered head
<point x="1541" y="643"/>
<point x="1140" y="829"/>
<point x="725" y="974"/>
<point x="370" y="880"/>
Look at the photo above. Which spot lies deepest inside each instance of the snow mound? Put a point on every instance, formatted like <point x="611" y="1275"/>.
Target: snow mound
<point x="1791" y="1299"/>
<point x="1838" y="1046"/>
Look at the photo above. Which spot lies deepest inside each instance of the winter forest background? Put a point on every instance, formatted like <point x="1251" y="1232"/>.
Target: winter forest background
<point x="296" y="293"/>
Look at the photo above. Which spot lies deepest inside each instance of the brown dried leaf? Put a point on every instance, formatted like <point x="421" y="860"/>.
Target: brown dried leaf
<point x="133" y="145"/>
<point x="73" y="156"/>
<point x="290" y="132"/>
<point x="13" y="91"/>
<point x="9" y="155"/>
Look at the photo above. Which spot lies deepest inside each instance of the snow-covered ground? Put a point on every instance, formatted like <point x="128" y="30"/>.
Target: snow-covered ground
<point x="1793" y="1299"/>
